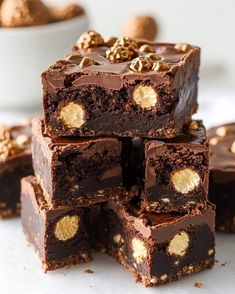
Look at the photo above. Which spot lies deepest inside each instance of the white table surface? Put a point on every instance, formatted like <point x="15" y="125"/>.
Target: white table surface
<point x="20" y="269"/>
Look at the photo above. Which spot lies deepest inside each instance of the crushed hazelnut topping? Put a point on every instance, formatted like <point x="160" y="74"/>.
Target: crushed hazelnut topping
<point x="147" y="49"/>
<point x="183" y="47"/>
<point x="90" y="39"/>
<point x="141" y="64"/>
<point x="161" y="66"/>
<point x="221" y="131"/>
<point x="233" y="147"/>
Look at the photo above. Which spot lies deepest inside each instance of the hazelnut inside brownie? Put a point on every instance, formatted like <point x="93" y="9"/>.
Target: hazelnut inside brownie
<point x="160" y="248"/>
<point x="58" y="235"/>
<point x="15" y="163"/>
<point x="157" y="248"/>
<point x="172" y="173"/>
<point x="121" y="87"/>
<point x="222" y="175"/>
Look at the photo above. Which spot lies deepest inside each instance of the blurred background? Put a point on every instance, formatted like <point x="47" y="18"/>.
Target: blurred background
<point x="207" y="24"/>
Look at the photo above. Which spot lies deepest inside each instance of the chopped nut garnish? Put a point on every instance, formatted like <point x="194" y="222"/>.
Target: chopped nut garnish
<point x="74" y="57"/>
<point x="118" y="54"/>
<point x="89" y="271"/>
<point x="128" y="43"/>
<point x="198" y="285"/>
<point x="72" y="115"/>
<point x="194" y="125"/>
<point x="210" y="252"/>
<point x="141" y="64"/>
<point x="87" y="61"/>
<point x="147" y="49"/>
<point x="179" y="244"/>
<point x="90" y="39"/>
<point x="214" y="141"/>
<point x="22" y="140"/>
<point x="118" y="239"/>
<point x="153" y="57"/>
<point x="139" y="250"/>
<point x="109" y="42"/>
<point x="183" y="47"/>
<point x="233" y="147"/>
<point x="221" y="131"/>
<point x="163" y="277"/>
<point x="145" y="96"/>
<point x="185" y="180"/>
<point x="9" y="146"/>
<point x="67" y="227"/>
<point x="161" y="66"/>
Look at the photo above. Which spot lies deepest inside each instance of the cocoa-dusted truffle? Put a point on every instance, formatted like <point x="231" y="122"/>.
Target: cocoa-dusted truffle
<point x="141" y="27"/>
<point x="18" y="13"/>
<point x="65" y="12"/>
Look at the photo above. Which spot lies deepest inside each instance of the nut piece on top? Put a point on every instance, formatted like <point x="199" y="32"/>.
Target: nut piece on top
<point x="222" y="175"/>
<point x="15" y="163"/>
<point x="141" y="27"/>
<point x="19" y="13"/>
<point x="151" y="85"/>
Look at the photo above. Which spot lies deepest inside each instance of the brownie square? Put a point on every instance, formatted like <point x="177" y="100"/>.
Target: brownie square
<point x="172" y="173"/>
<point x="76" y="171"/>
<point x="222" y="175"/>
<point x="160" y="248"/>
<point x="121" y="89"/>
<point x="58" y="235"/>
<point x="15" y="163"/>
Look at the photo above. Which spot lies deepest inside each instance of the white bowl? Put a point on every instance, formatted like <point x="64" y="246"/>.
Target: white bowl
<point x="26" y="52"/>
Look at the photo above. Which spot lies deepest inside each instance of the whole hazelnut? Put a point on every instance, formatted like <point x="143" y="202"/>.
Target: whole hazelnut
<point x="141" y="27"/>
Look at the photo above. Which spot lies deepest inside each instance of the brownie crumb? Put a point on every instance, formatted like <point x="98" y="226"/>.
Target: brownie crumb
<point x="89" y="271"/>
<point x="224" y="263"/>
<point x="198" y="285"/>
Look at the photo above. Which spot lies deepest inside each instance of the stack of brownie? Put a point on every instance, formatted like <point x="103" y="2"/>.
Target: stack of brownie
<point x="120" y="166"/>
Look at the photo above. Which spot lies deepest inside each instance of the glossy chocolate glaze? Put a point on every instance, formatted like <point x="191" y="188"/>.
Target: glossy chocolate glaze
<point x="162" y="227"/>
<point x="114" y="75"/>
<point x="221" y="157"/>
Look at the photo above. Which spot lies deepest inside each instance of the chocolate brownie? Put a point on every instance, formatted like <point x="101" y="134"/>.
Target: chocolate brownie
<point x="222" y="175"/>
<point x="58" y="235"/>
<point x="172" y="173"/>
<point x="121" y="87"/>
<point x="15" y="163"/>
<point x="160" y="248"/>
<point x="77" y="171"/>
